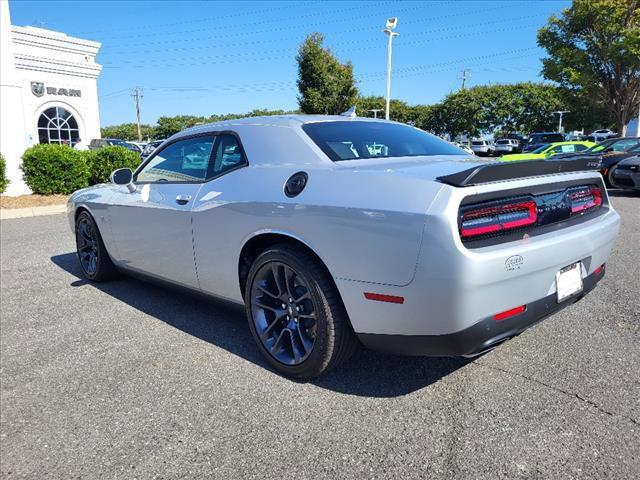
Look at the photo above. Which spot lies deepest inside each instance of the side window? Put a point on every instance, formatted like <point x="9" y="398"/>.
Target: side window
<point x="563" y="149"/>
<point x="624" y="145"/>
<point x="227" y="155"/>
<point x="580" y="148"/>
<point x="182" y="161"/>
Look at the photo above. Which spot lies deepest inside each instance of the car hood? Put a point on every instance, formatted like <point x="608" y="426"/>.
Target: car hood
<point x="422" y="167"/>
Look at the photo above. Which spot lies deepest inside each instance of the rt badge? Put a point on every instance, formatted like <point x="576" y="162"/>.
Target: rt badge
<point x="37" y="88"/>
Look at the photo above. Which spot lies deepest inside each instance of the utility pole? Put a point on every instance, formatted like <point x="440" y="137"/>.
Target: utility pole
<point x="464" y="76"/>
<point x="136" y="93"/>
<point x="375" y="112"/>
<point x="391" y="24"/>
<point x="560" y="113"/>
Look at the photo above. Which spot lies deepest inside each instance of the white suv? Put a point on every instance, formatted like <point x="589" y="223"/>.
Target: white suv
<point x="482" y="147"/>
<point x="506" y="145"/>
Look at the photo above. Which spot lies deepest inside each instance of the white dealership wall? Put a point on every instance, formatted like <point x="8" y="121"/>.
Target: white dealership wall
<point x="40" y="69"/>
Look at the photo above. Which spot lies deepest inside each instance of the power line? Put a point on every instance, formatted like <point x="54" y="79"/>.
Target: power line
<point x="234" y="58"/>
<point x="199" y="20"/>
<point x="305" y="25"/>
<point x="337" y="17"/>
<point x="422" y="39"/>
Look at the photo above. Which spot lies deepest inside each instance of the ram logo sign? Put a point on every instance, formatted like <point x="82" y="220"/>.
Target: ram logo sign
<point x="38" y="89"/>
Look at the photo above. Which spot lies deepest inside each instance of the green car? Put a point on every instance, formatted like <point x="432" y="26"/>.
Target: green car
<point x="549" y="150"/>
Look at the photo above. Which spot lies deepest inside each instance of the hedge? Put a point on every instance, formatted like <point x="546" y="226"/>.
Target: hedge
<point x="50" y="169"/>
<point x="4" y="181"/>
<point x="105" y="160"/>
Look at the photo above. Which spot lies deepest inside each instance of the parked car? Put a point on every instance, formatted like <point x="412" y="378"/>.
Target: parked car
<point x="464" y="147"/>
<point x="506" y="145"/>
<point x="150" y="148"/>
<point x="603" y="134"/>
<point x="626" y="174"/>
<point x="139" y="145"/>
<point x="549" y="150"/>
<point x="135" y="147"/>
<point x="104" y="142"/>
<point x="538" y="139"/>
<point x="608" y="154"/>
<point x="416" y="249"/>
<point x="482" y="147"/>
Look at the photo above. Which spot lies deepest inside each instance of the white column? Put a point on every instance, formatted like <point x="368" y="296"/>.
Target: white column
<point x="13" y="141"/>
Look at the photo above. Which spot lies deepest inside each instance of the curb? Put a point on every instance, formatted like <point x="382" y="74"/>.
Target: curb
<point x="8" y="213"/>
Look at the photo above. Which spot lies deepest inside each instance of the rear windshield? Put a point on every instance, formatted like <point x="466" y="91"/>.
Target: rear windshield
<point x="502" y="142"/>
<point x="546" y="138"/>
<point x="477" y="142"/>
<point x="351" y="140"/>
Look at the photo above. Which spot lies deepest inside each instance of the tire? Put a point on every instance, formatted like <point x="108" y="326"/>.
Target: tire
<point x="608" y="180"/>
<point x="94" y="260"/>
<point x="293" y="304"/>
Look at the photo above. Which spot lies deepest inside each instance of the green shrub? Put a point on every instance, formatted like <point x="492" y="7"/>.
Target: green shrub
<point x="50" y="169"/>
<point x="105" y="160"/>
<point x="4" y="181"/>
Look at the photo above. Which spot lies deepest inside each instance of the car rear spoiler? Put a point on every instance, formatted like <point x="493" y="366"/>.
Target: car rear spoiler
<point x="498" y="171"/>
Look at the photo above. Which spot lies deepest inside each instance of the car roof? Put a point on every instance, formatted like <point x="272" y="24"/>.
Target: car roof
<point x="290" y="121"/>
<point x="572" y="142"/>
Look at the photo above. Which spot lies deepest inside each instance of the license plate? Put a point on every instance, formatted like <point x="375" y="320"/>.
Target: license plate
<point x="569" y="281"/>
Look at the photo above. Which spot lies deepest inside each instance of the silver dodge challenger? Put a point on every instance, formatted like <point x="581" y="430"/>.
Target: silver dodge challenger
<point x="337" y="231"/>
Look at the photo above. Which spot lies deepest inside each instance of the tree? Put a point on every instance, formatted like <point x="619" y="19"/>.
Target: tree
<point x="127" y="131"/>
<point x="326" y="85"/>
<point x="168" y="126"/>
<point x="594" y="51"/>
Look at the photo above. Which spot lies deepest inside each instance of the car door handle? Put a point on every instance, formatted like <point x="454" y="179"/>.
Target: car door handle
<point x="183" y="199"/>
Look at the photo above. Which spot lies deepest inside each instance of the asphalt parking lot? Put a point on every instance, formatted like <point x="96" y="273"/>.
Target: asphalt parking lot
<point x="130" y="380"/>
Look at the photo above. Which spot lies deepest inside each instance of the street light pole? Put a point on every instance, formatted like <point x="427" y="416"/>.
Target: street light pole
<point x="391" y="24"/>
<point x="560" y="113"/>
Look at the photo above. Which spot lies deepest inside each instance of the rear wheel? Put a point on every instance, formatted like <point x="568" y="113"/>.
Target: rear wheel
<point x="295" y="313"/>
<point x="92" y="254"/>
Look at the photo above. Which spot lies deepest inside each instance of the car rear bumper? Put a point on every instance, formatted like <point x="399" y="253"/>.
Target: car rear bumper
<point x="457" y="286"/>
<point x="479" y="337"/>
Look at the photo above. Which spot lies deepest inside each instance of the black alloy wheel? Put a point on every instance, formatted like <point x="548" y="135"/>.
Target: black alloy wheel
<point x="295" y="313"/>
<point x="92" y="254"/>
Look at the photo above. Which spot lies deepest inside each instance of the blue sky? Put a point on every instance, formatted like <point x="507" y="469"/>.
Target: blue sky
<point x="201" y="58"/>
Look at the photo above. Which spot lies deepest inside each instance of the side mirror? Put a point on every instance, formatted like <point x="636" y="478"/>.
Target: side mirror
<point x="123" y="176"/>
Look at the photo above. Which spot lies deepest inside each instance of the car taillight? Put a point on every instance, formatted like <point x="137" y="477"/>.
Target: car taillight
<point x="498" y="218"/>
<point x="585" y="199"/>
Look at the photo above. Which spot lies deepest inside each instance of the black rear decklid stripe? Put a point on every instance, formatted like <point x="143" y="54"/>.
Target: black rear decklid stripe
<point x="495" y="172"/>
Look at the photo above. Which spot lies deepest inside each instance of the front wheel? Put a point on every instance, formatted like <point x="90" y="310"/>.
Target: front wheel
<point x="295" y="313"/>
<point x="92" y="254"/>
<point x="608" y="179"/>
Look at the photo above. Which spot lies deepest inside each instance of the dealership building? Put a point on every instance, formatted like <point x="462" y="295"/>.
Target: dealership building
<point x="48" y="92"/>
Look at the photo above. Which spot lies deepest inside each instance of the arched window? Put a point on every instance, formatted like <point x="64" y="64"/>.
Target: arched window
<point x="57" y="125"/>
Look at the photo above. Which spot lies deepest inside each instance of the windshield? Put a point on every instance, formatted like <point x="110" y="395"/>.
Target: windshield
<point x="542" y="148"/>
<point x="351" y="140"/>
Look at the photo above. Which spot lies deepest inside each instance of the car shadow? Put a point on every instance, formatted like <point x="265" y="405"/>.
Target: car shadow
<point x="223" y="324"/>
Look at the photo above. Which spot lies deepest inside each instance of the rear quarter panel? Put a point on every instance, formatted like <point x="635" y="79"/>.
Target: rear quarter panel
<point x="364" y="227"/>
